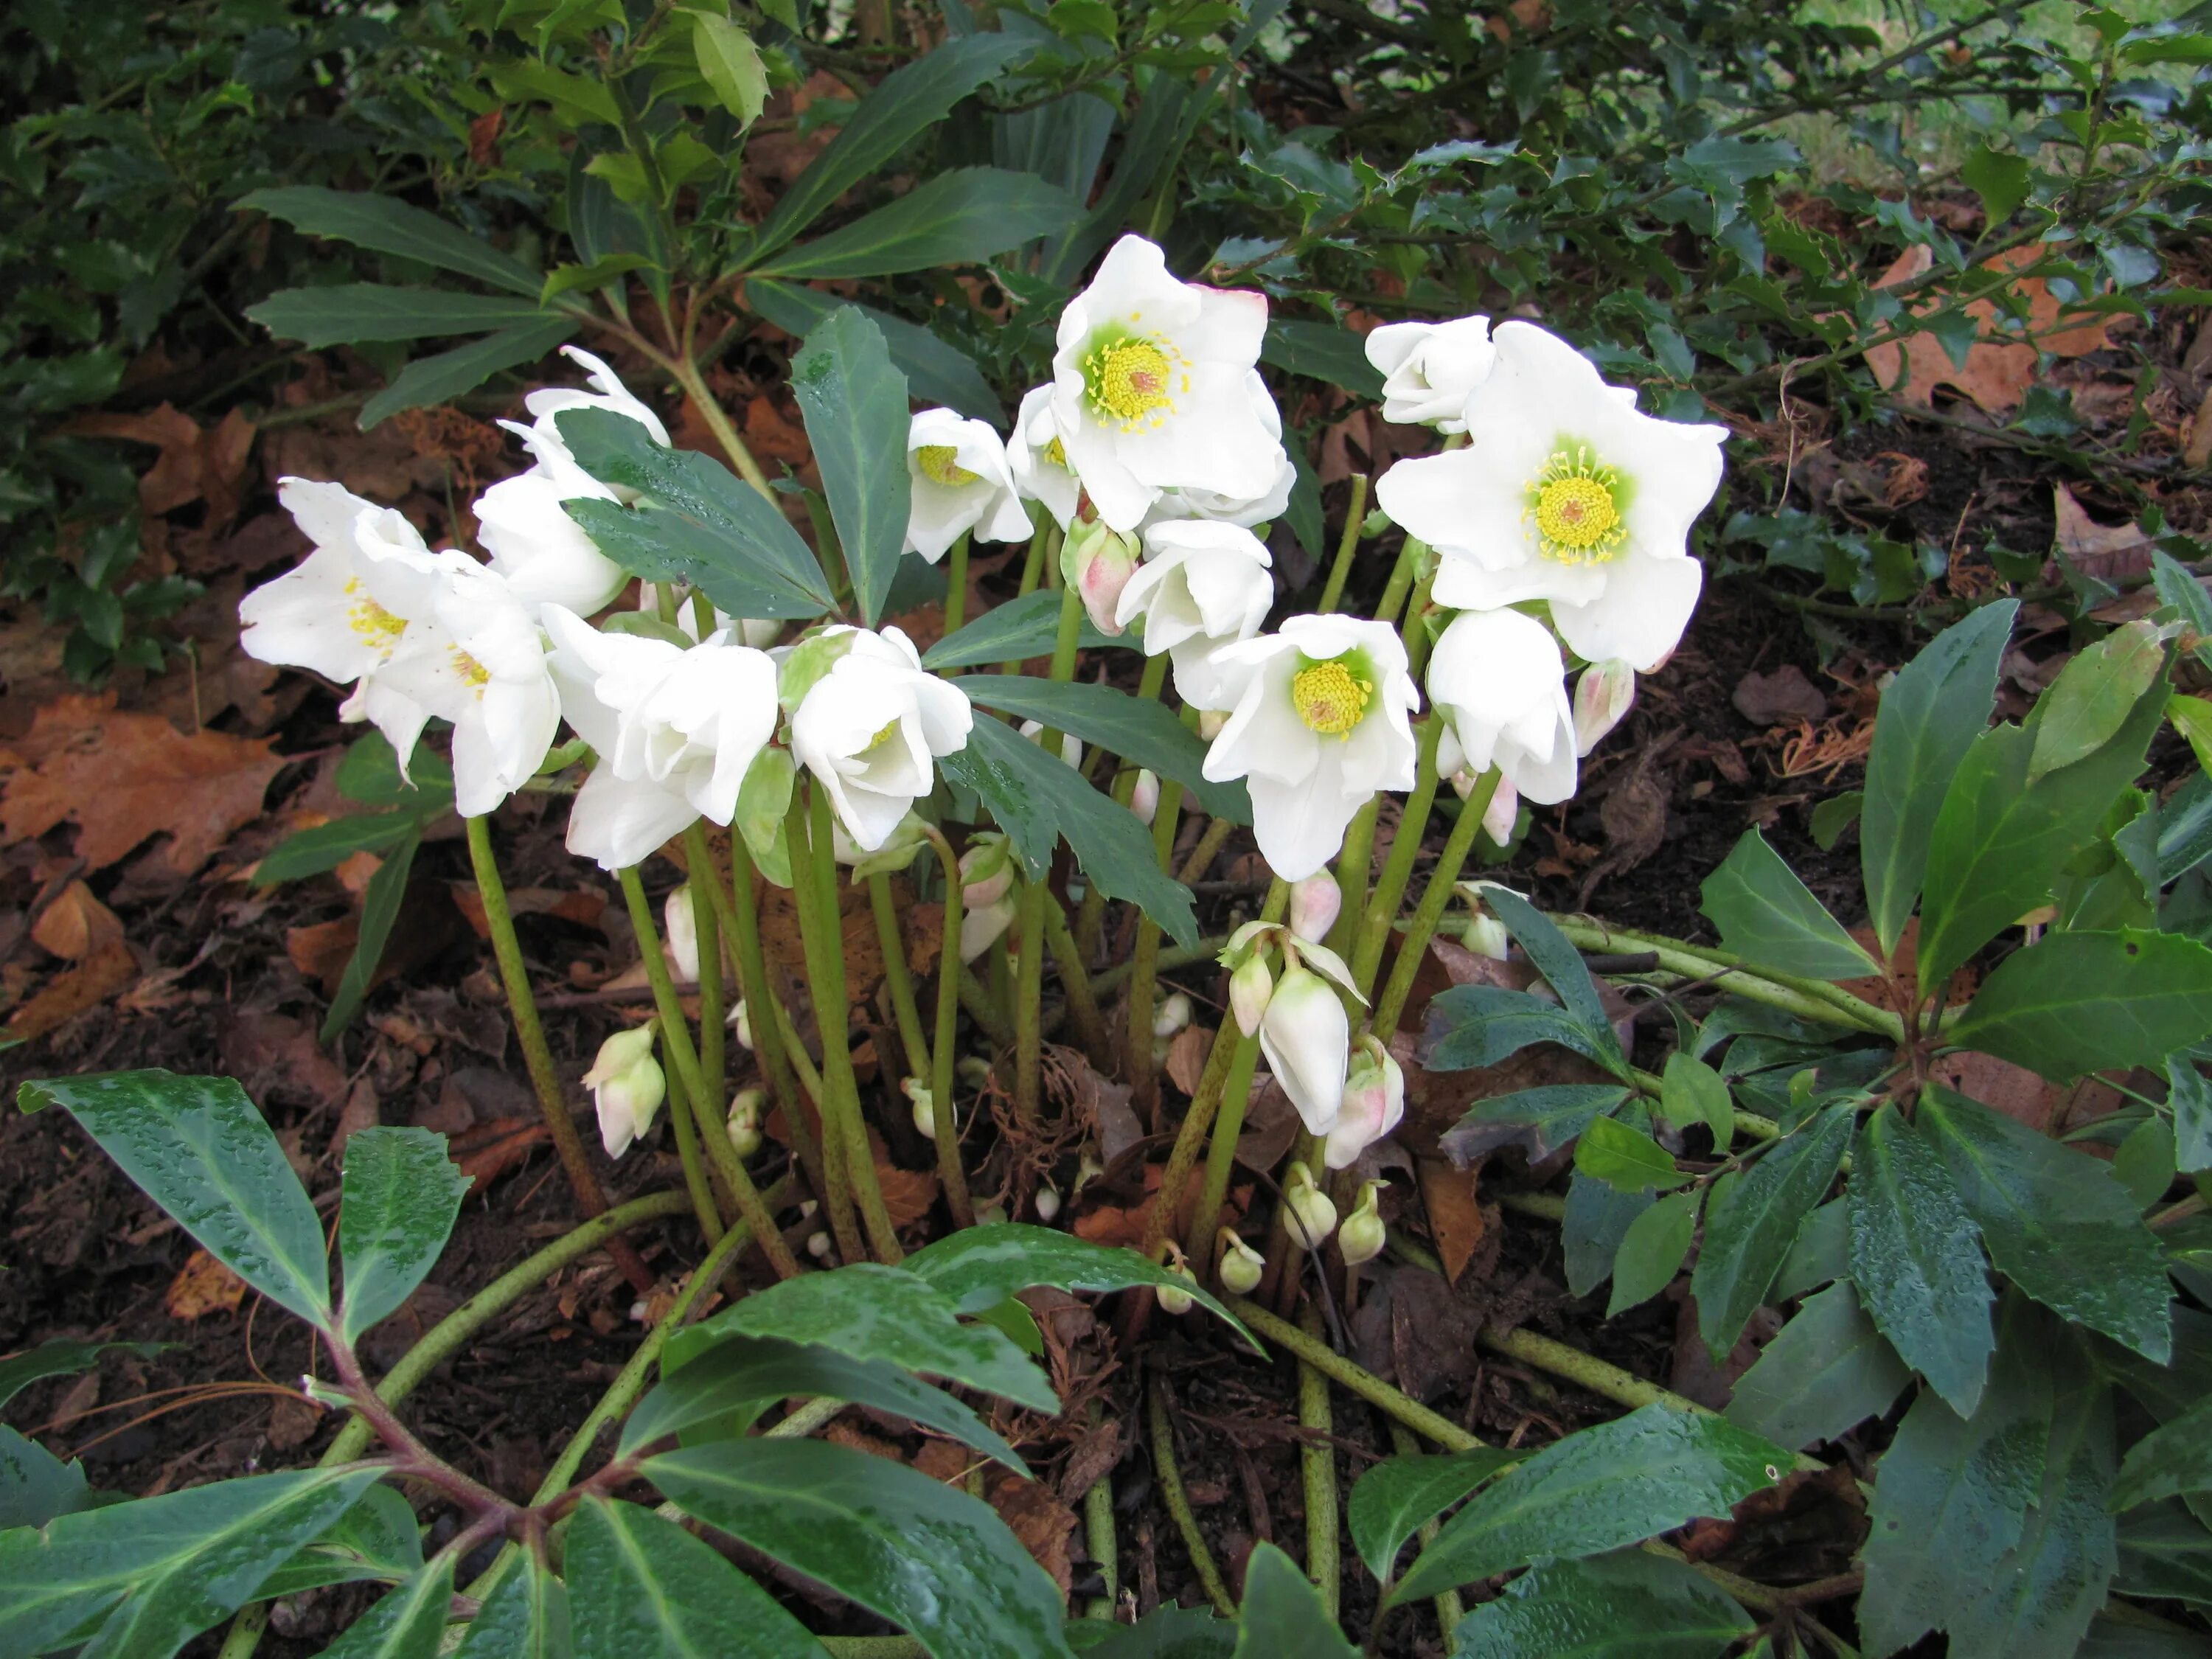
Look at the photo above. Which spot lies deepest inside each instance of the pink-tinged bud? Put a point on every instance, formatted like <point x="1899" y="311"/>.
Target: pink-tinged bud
<point x="1145" y="799"/>
<point x="627" y="1087"/>
<point x="1374" y="1102"/>
<point x="987" y="872"/>
<point x="1504" y="809"/>
<point x="980" y="929"/>
<point x="681" y="923"/>
<point x="1602" y="696"/>
<point x="1313" y="1217"/>
<point x="1097" y="561"/>
<point x="1362" y="1237"/>
<point x="1241" y="1265"/>
<point x="1314" y="903"/>
<point x="1251" y="987"/>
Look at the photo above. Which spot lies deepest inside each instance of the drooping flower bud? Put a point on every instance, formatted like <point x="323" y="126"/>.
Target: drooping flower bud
<point x="1097" y="561"/>
<point x="1307" y="1038"/>
<point x="1070" y="750"/>
<point x="925" y="1106"/>
<point x="987" y="871"/>
<point x="817" y="1246"/>
<point x="746" y="1110"/>
<point x="1374" y="1102"/>
<point x="1047" y="1203"/>
<point x="1171" y="1299"/>
<point x="1241" y="1265"/>
<point x="1315" y="1216"/>
<point x="741" y="1023"/>
<point x="1315" y="903"/>
<point x="1145" y="799"/>
<point x="627" y="1087"/>
<point x="1504" y="809"/>
<point x="1486" y="936"/>
<point x="1172" y="1015"/>
<point x="1363" y="1236"/>
<point x="980" y="929"/>
<point x="1602" y="696"/>
<point x="1251" y="987"/>
<point x="680" y="924"/>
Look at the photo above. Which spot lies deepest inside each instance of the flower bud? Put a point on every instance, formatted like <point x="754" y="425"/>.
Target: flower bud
<point x="1307" y="1038"/>
<point x="1047" y="1203"/>
<point x="980" y="929"/>
<point x="1241" y="1265"/>
<point x="1315" y="1217"/>
<point x="817" y="1246"/>
<point x="897" y="852"/>
<point x="1097" y="561"/>
<point x="1374" y="1102"/>
<point x="741" y="1023"/>
<point x="1315" y="903"/>
<point x="1363" y="1237"/>
<point x="1172" y="1015"/>
<point x="1504" y="809"/>
<point x="745" y="1121"/>
<point x="925" y="1107"/>
<point x="987" y="872"/>
<point x="1071" y="750"/>
<point x="1210" y="722"/>
<point x="680" y="924"/>
<point x="1602" y="696"/>
<point x="1171" y="1299"/>
<point x="1145" y="799"/>
<point x="1486" y="936"/>
<point x="1251" y="987"/>
<point x="627" y="1087"/>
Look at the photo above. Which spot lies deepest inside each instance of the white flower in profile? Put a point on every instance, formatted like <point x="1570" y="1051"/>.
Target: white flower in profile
<point x="962" y="483"/>
<point x="1565" y="493"/>
<point x="1430" y="369"/>
<point x="1150" y="386"/>
<point x="1307" y="1038"/>
<point x="1202" y="584"/>
<point x="870" y="725"/>
<point x="1497" y="679"/>
<point x="607" y="392"/>
<point x="1321" y="720"/>
<point x="1197" y="501"/>
<point x="675" y="729"/>
<point x="627" y="1087"/>
<point x="544" y="554"/>
<point x="1039" y="458"/>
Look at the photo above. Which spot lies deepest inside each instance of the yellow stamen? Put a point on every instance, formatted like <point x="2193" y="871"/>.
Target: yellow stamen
<point x="371" y="623"/>
<point x="1133" y="380"/>
<point x="1056" y="452"/>
<point x="1576" y="504"/>
<point x="1330" y="698"/>
<point x="940" y="462"/>
<point x="473" y="673"/>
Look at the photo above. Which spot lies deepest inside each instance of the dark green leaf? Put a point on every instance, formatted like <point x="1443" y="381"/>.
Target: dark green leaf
<point x="937" y="372"/>
<point x="639" y="1585"/>
<point x="2165" y="1551"/>
<point x="62" y="1356"/>
<point x="152" y="1574"/>
<point x="1750" y="1218"/>
<point x="868" y="1312"/>
<point x="400" y="1196"/>
<point x="697" y="521"/>
<point x="854" y="403"/>
<point x="2086" y="707"/>
<point x="2182" y="590"/>
<point x="347" y="313"/>
<point x="1651" y="1251"/>
<point x="1399" y="1496"/>
<point x="1831" y="817"/>
<point x="2073" y="1003"/>
<point x="428" y="381"/>
<point x="1768" y="916"/>
<point x="1561" y="965"/>
<point x="2189" y="1094"/>
<point x="377" y="1538"/>
<point x="1935" y="707"/>
<point x="981" y="1265"/>
<point x="369" y="775"/>
<point x="746" y="1371"/>
<point x="2171" y="1459"/>
<point x="961" y="217"/>
<point x="1012" y="632"/>
<point x="1615" y="1484"/>
<point x="1821" y="1253"/>
<point x="326" y="846"/>
<point x="35" y="1486"/>
<point x="1283" y="1616"/>
<point x="936" y="1562"/>
<point x="730" y="64"/>
<point x="380" y="904"/>
<point x="1167" y="1633"/>
<point x="1623" y="1605"/>
<point x="1951" y="1497"/>
<point x="392" y="226"/>
<point x="1474" y="1025"/>
<point x="2056" y="1223"/>
<point x="1539" y="1121"/>
<point x="407" y="1623"/>
<point x="1141" y="732"/>
<point x="2001" y="180"/>
<point x="904" y="105"/>
<point x="1916" y="1257"/>
<point x="1828" y="1371"/>
<point x="1321" y="351"/>
<point x="526" y="1617"/>
<point x="1611" y="1151"/>
<point x="2144" y="1163"/>
<point x="1597" y="1219"/>
<point x="198" y="1148"/>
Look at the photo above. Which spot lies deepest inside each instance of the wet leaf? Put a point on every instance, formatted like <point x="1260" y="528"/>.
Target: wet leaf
<point x="1623" y="1606"/>
<point x="1751" y="1219"/>
<point x="640" y="1585"/>
<point x="401" y="1195"/>
<point x="1828" y="1371"/>
<point x="1397" y="1496"/>
<point x="1283" y="1616"/>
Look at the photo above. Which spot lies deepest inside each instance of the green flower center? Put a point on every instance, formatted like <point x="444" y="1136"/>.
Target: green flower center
<point x="940" y="464"/>
<point x="1331" y="697"/>
<point x="1576" y="502"/>
<point x="1132" y="379"/>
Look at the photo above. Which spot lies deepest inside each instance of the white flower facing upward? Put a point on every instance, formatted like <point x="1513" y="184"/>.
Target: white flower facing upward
<point x="627" y="1087"/>
<point x="1202" y="585"/>
<point x="1039" y="458"/>
<point x="871" y="726"/>
<point x="962" y="483"/>
<point x="1150" y="386"/>
<point x="1321" y="720"/>
<point x="675" y="731"/>
<point x="1565" y="493"/>
<point x="1430" y="369"/>
<point x="1497" y="679"/>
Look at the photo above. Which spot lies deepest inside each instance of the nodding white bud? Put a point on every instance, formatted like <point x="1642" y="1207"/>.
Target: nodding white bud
<point x="1145" y="799"/>
<point x="627" y="1087"/>
<point x="1315" y="1217"/>
<point x="1315" y="903"/>
<point x="808" y="1206"/>
<point x="745" y="1111"/>
<point x="1374" y="1102"/>
<point x="1251" y="989"/>
<point x="1504" y="808"/>
<point x="1602" y="696"/>
<point x="1047" y="1203"/>
<point x="1097" y="561"/>
<point x="741" y="1023"/>
<point x="1070" y="750"/>
<point x="992" y="1214"/>
<point x="1172" y="1015"/>
<point x="1241" y="1265"/>
<point x="1486" y="936"/>
<point x="985" y="925"/>
<point x="987" y="871"/>
<point x="682" y="940"/>
<point x="817" y="1246"/>
<point x="1362" y="1237"/>
<point x="925" y="1107"/>
<point x="1173" y="1300"/>
<point x="1210" y="722"/>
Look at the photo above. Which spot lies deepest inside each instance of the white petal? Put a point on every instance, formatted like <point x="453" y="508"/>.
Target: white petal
<point x="1641" y="615"/>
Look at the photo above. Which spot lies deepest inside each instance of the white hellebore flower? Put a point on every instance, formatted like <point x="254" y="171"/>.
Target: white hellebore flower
<point x="871" y="726"/>
<point x="1430" y="369"/>
<point x="1150" y="386"/>
<point x="607" y="392"/>
<point x="1307" y="1040"/>
<point x="1039" y="458"/>
<point x="1197" y="501"/>
<point x="1497" y="677"/>
<point x="962" y="483"/>
<point x="676" y="732"/>
<point x="1202" y="585"/>
<point x="1565" y="493"/>
<point x="627" y="1087"/>
<point x="1321" y="721"/>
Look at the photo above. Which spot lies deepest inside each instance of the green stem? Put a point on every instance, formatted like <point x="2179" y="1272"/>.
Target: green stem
<point x="950" y="1173"/>
<point x="956" y="585"/>
<point x="704" y="880"/>
<point x="1221" y="1152"/>
<point x="1075" y="983"/>
<point x="900" y="980"/>
<point x="1090" y="920"/>
<point x="1417" y="637"/>
<point x="1317" y="1467"/>
<point x="1355" y="513"/>
<point x="1029" y="995"/>
<point x="1414" y="947"/>
<point x="538" y="1058"/>
<point x="1364" y="1383"/>
<point x="742" y="923"/>
<point x="683" y="1119"/>
<point x="1178" y="1501"/>
<point x="1144" y="972"/>
<point x="1355" y="862"/>
<point x="1400" y="582"/>
<point x="1811" y="999"/>
<point x="1381" y="910"/>
<point x="1105" y="983"/>
<point x="694" y="387"/>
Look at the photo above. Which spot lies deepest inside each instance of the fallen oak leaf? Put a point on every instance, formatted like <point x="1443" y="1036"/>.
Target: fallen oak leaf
<point x="2003" y="362"/>
<point x="203" y="1285"/>
<point x="76" y="924"/>
<point x="109" y="970"/>
<point x="490" y="1150"/>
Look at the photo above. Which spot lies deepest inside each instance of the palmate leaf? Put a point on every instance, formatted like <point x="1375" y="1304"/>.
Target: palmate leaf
<point x="526" y="1617"/>
<point x="1399" y="1496"/>
<point x="392" y="226"/>
<point x="2079" y="1002"/>
<point x="1751" y="1219"/>
<point x="1768" y="916"/>
<point x="1826" y="1371"/>
<point x="377" y="1540"/>
<point x="407" y="1623"/>
<point x="981" y="1267"/>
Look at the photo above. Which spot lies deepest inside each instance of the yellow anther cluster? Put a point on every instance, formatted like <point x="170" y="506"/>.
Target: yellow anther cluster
<point x="473" y="673"/>
<point x="1576" y="504"/>
<point x="1133" y="380"/>
<point x="1330" y="698"/>
<point x="371" y="623"/>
